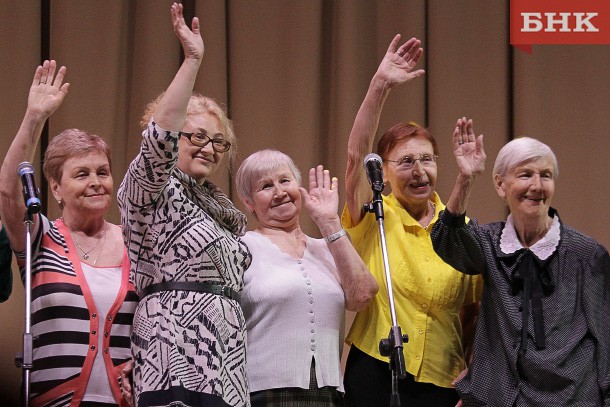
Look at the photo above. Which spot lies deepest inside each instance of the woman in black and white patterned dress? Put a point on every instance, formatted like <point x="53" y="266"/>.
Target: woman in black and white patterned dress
<point x="183" y="237"/>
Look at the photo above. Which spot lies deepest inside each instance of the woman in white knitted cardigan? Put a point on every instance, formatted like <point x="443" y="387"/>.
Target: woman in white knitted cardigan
<point x="297" y="287"/>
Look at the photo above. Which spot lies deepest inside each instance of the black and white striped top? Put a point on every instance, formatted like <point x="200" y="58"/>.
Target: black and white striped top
<point x="65" y="321"/>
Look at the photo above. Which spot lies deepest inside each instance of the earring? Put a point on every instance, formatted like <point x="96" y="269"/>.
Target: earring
<point x="60" y="203"/>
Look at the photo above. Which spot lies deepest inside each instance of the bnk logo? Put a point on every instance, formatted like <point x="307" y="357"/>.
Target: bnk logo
<point x="563" y="22"/>
<point x="559" y="22"/>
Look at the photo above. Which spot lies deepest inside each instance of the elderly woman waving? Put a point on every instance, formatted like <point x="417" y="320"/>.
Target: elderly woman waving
<point x="82" y="300"/>
<point x="435" y="304"/>
<point x="297" y="288"/>
<point x="183" y="236"/>
<point x="544" y="328"/>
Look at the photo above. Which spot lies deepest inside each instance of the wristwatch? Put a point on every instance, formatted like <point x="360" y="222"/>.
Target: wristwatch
<point x="335" y="236"/>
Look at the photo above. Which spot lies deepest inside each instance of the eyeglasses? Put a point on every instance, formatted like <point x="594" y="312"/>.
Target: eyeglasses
<point x="219" y="144"/>
<point x="407" y="162"/>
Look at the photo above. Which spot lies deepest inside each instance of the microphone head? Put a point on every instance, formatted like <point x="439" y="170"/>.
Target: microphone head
<point x="374" y="172"/>
<point x="25" y="168"/>
<point x="372" y="157"/>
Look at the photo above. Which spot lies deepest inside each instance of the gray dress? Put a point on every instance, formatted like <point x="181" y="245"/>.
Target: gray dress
<point x="188" y="347"/>
<point x="556" y="356"/>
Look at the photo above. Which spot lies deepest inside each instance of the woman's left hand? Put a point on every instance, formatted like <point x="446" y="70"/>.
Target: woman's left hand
<point x="322" y="200"/>
<point x="125" y="381"/>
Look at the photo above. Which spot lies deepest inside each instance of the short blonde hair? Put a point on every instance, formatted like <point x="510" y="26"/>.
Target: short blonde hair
<point x="199" y="104"/>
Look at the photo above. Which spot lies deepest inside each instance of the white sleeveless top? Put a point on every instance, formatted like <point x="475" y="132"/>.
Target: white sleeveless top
<point x="104" y="283"/>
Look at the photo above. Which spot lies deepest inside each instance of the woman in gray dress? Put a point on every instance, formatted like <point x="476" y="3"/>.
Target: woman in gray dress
<point x="543" y="335"/>
<point x="183" y="237"/>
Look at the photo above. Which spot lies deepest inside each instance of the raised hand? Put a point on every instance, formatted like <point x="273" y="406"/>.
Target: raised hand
<point x="322" y="200"/>
<point x="399" y="61"/>
<point x="48" y="90"/>
<point x="191" y="40"/>
<point x="468" y="148"/>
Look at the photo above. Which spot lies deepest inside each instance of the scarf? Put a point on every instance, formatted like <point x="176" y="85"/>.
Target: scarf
<point x="216" y="204"/>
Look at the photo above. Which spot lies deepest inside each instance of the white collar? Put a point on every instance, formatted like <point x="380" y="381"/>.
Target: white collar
<point x="543" y="248"/>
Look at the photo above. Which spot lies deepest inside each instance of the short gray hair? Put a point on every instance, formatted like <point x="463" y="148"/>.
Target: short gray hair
<point x="256" y="165"/>
<point x="519" y="151"/>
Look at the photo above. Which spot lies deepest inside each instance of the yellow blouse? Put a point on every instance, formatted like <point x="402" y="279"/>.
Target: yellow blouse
<point x="428" y="294"/>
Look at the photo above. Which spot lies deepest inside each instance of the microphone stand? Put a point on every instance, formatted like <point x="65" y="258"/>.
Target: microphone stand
<point x="24" y="359"/>
<point x="392" y="346"/>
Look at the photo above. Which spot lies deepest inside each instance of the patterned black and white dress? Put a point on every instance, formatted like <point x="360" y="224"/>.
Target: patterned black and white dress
<point x="188" y="347"/>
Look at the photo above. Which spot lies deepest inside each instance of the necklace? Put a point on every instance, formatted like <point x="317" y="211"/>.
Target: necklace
<point x="85" y="254"/>
<point x="101" y="248"/>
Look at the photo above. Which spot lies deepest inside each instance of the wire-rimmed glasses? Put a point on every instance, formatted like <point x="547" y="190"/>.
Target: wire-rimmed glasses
<point x="408" y="162"/>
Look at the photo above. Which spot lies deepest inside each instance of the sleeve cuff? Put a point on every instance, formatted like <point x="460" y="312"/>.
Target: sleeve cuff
<point x="452" y="220"/>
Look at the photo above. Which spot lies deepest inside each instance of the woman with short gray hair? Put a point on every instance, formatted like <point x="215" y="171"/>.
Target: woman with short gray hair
<point x="297" y="287"/>
<point x="543" y="336"/>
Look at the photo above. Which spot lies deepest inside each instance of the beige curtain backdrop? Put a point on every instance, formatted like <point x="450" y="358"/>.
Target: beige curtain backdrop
<point x="293" y="73"/>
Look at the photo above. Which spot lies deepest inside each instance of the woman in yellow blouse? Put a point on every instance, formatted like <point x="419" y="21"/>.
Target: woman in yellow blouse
<point x="433" y="301"/>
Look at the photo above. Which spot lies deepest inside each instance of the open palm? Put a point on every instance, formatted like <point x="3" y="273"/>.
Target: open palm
<point x="399" y="61"/>
<point x="468" y="148"/>
<point x="48" y="90"/>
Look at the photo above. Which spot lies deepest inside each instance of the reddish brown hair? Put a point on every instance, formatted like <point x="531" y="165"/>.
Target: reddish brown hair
<point x="68" y="144"/>
<point x="401" y="132"/>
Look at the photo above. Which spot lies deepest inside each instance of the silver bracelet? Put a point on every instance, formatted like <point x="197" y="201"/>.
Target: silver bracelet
<point x="335" y="236"/>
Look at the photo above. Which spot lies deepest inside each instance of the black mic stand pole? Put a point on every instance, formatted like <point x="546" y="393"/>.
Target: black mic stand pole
<point x="24" y="360"/>
<point x="392" y="346"/>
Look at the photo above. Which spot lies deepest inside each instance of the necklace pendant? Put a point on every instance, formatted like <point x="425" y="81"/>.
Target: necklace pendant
<point x="85" y="256"/>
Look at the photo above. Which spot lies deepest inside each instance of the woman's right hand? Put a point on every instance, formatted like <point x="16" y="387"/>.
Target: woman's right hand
<point x="457" y="379"/>
<point x="191" y="40"/>
<point x="468" y="149"/>
<point x="399" y="61"/>
<point x="48" y="90"/>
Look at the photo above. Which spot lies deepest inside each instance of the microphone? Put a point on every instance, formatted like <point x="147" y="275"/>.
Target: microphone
<point x="374" y="173"/>
<point x="25" y="170"/>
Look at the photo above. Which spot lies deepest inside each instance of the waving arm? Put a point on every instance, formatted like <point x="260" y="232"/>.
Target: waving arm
<point x="322" y="202"/>
<point x="171" y="111"/>
<point x="47" y="92"/>
<point x="470" y="158"/>
<point x="395" y="69"/>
